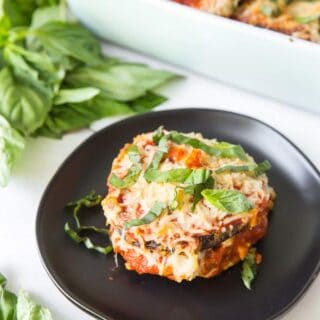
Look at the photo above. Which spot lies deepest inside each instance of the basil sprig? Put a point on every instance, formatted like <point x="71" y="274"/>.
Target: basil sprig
<point x="230" y="201"/>
<point x="249" y="268"/>
<point x="133" y="173"/>
<point x="21" y="306"/>
<point x="155" y="211"/>
<point x="88" y="201"/>
<point x="254" y="169"/>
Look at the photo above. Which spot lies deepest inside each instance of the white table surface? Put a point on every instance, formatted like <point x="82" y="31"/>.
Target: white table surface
<point x="19" y="258"/>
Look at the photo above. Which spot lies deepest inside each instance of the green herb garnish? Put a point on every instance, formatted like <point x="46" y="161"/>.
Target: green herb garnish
<point x="21" y="307"/>
<point x="89" y="201"/>
<point x="133" y="173"/>
<point x="181" y="175"/>
<point x="153" y="214"/>
<point x="270" y="10"/>
<point x="249" y="268"/>
<point x="307" y="19"/>
<point x="231" y="201"/>
<point x="254" y="169"/>
<point x="54" y="78"/>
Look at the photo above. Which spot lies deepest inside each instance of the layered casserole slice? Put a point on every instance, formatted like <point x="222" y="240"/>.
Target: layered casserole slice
<point x="182" y="206"/>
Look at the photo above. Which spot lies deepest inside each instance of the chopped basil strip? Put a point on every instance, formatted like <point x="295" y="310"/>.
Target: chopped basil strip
<point x="88" y="201"/>
<point x="175" y="202"/>
<point x="255" y="169"/>
<point x="181" y="175"/>
<point x="307" y="19"/>
<point x="249" y="268"/>
<point x="152" y="215"/>
<point x="269" y="10"/>
<point x="195" y="190"/>
<point x="133" y="173"/>
<point x="219" y="149"/>
<point x="180" y="138"/>
<point x="73" y="234"/>
<point x="231" y="201"/>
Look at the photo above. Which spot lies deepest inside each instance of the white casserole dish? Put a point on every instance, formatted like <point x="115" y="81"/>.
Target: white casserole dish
<point x="255" y="59"/>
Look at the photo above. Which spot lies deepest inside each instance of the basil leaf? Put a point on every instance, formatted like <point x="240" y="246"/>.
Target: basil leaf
<point x="175" y="202"/>
<point x="181" y="175"/>
<point x="70" y="117"/>
<point x="11" y="147"/>
<point x="8" y="301"/>
<point x="307" y="19"/>
<point x="27" y="309"/>
<point x="228" y="150"/>
<point x="153" y="214"/>
<point x="249" y="268"/>
<point x="196" y="190"/>
<point x="24" y="107"/>
<point x="123" y="82"/>
<point x="69" y="39"/>
<point x="88" y="201"/>
<point x="147" y="102"/>
<point x="133" y="173"/>
<point x="255" y="169"/>
<point x="180" y="138"/>
<point x="75" y="95"/>
<point x="230" y="201"/>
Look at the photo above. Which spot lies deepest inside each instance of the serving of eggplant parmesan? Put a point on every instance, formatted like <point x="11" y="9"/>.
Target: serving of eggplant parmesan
<point x="182" y="206"/>
<point x="298" y="18"/>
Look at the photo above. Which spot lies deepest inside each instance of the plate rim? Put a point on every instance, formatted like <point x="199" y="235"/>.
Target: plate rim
<point x="92" y="310"/>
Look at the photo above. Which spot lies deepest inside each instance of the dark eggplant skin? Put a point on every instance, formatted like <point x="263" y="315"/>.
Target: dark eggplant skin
<point x="213" y="240"/>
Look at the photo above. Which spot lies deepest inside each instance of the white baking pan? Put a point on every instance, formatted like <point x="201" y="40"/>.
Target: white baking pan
<point x="255" y="59"/>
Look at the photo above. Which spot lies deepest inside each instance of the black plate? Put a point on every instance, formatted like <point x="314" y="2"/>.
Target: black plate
<point x="291" y="249"/>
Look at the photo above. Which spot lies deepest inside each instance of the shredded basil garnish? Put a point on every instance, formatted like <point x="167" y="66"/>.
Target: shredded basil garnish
<point x="133" y="173"/>
<point x="254" y="169"/>
<point x="307" y="19"/>
<point x="88" y="201"/>
<point x="180" y="175"/>
<point x="269" y="10"/>
<point x="249" y="268"/>
<point x="157" y="208"/>
<point x="231" y="201"/>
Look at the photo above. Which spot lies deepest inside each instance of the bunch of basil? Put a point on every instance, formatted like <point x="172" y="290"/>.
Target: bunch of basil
<point x="55" y="79"/>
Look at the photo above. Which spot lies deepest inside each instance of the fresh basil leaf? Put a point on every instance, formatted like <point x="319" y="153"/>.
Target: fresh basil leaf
<point x="47" y="14"/>
<point x="123" y="82"/>
<point x="89" y="201"/>
<point x="175" y="202"/>
<point x="180" y="175"/>
<point x="8" y="301"/>
<point x="196" y="191"/>
<point x="153" y="214"/>
<point x="231" y="201"/>
<point x="27" y="309"/>
<point x="255" y="169"/>
<point x="11" y="147"/>
<point x="25" y="107"/>
<point x="133" y="173"/>
<point x="65" y="118"/>
<point x="158" y="156"/>
<point x="307" y="19"/>
<point x="228" y="150"/>
<point x="180" y="138"/>
<point x="69" y="39"/>
<point x="249" y="268"/>
<point x="147" y="102"/>
<point x="75" y="95"/>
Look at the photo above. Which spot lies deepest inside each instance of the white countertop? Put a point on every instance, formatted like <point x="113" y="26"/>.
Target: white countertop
<point x="19" y="258"/>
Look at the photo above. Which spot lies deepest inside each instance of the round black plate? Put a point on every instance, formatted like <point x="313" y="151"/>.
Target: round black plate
<point x="291" y="250"/>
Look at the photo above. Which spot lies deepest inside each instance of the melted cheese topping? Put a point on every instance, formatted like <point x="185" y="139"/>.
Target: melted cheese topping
<point x="170" y="245"/>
